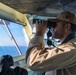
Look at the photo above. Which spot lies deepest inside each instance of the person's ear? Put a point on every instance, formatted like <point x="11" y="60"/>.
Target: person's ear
<point x="68" y="26"/>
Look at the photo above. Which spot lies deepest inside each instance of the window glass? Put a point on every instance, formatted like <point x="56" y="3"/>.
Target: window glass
<point x="13" y="38"/>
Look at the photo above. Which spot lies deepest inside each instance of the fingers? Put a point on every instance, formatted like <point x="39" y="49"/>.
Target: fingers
<point x="41" y="22"/>
<point x="41" y="27"/>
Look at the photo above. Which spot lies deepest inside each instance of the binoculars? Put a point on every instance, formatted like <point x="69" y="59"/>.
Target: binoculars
<point x="49" y="23"/>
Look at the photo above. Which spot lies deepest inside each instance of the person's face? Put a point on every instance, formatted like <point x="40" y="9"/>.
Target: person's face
<point x="58" y="31"/>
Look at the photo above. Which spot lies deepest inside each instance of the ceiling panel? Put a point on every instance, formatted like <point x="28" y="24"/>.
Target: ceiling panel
<point x="42" y="7"/>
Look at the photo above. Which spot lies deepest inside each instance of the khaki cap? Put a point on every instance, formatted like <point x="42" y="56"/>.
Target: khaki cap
<point x="66" y="17"/>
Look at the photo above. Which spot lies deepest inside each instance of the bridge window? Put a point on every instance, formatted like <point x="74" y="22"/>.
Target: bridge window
<point x="13" y="38"/>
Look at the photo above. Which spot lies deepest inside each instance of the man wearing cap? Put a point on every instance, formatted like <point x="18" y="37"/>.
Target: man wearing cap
<point x="60" y="60"/>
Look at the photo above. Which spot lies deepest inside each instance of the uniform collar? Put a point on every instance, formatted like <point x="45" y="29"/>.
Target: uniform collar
<point x="69" y="37"/>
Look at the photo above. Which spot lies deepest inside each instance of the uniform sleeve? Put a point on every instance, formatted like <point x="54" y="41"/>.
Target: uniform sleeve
<point x="39" y="58"/>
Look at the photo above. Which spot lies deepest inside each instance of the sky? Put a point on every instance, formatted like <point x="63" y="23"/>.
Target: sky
<point x="18" y="33"/>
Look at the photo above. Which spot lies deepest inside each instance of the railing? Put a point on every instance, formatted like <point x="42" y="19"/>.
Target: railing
<point x="20" y="61"/>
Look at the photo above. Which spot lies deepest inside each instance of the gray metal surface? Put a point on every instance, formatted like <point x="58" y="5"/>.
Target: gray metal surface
<point x="42" y="7"/>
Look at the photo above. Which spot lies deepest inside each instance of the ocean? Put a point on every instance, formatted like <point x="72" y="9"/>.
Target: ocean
<point x="11" y="50"/>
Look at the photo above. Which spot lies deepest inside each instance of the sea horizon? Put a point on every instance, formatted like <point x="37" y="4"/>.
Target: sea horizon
<point x="12" y="50"/>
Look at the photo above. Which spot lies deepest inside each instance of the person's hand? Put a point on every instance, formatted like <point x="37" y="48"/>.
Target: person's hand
<point x="41" y="28"/>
